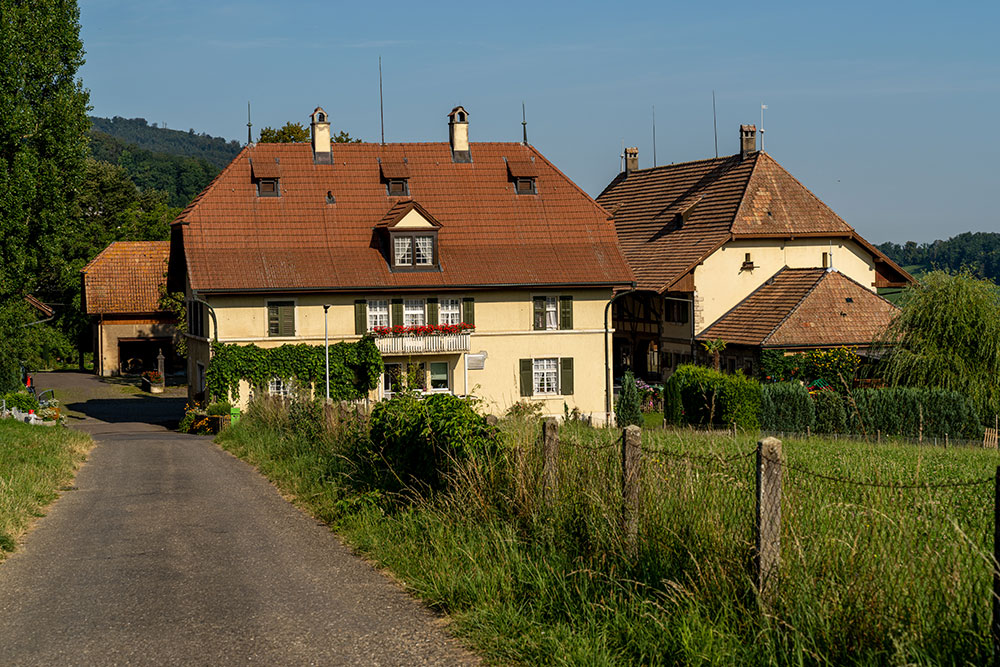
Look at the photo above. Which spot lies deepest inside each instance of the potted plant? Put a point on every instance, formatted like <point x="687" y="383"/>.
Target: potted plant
<point x="152" y="381"/>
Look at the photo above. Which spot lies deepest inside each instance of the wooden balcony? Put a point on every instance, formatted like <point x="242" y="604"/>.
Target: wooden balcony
<point x="435" y="344"/>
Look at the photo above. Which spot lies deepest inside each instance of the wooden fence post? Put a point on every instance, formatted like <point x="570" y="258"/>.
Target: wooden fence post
<point x="550" y="460"/>
<point x="768" y="525"/>
<point x="996" y="569"/>
<point x="631" y="468"/>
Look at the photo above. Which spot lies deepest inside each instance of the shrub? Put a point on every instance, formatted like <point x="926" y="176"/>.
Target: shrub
<point x="417" y="440"/>
<point x="908" y="411"/>
<point x="786" y="406"/>
<point x="836" y="366"/>
<point x="710" y="397"/>
<point x="831" y="417"/>
<point x="220" y="408"/>
<point x="673" y="409"/>
<point x="21" y="400"/>
<point x="628" y="411"/>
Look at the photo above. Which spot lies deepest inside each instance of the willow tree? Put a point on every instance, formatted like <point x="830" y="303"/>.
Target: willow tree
<point x="948" y="336"/>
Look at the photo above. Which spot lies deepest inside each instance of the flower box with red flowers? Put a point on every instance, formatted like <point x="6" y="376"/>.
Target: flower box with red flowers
<point x="423" y="330"/>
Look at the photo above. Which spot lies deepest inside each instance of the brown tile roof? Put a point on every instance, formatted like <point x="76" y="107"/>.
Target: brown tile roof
<point x="489" y="235"/>
<point x="671" y="218"/>
<point x="125" y="277"/>
<point x="805" y="308"/>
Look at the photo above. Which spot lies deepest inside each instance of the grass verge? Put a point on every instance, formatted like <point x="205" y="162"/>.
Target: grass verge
<point x="892" y="570"/>
<point x="35" y="462"/>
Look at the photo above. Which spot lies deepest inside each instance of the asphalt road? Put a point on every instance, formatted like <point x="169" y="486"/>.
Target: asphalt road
<point x="171" y="551"/>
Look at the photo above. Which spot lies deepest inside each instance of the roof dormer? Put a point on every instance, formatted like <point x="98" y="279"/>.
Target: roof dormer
<point x="412" y="235"/>
<point x="395" y="174"/>
<point x="522" y="174"/>
<point x="266" y="176"/>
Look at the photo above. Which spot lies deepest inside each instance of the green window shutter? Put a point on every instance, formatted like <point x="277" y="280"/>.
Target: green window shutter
<point x="566" y="376"/>
<point x="538" y="313"/>
<point x="566" y="313"/>
<point x="273" y="324"/>
<point x="432" y="311"/>
<point x="360" y="316"/>
<point x="396" y="313"/>
<point x="526" y="377"/>
<point x="287" y="319"/>
<point x="469" y="310"/>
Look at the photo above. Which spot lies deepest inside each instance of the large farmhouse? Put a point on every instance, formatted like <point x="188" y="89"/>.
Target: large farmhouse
<point x="736" y="248"/>
<point x="487" y="235"/>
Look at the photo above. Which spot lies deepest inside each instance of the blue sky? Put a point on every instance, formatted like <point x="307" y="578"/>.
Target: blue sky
<point x="887" y="111"/>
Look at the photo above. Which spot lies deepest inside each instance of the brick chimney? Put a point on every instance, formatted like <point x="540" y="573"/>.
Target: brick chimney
<point x="458" y="135"/>
<point x="320" y="128"/>
<point x="631" y="160"/>
<point x="748" y="140"/>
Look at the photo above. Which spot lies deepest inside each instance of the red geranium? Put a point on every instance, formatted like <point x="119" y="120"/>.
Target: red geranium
<point x="423" y="329"/>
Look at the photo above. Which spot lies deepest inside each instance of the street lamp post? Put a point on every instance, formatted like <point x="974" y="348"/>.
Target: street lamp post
<point x="326" y="344"/>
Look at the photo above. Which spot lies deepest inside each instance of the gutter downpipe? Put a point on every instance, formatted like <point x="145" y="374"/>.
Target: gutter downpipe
<point x="607" y="367"/>
<point x="607" y="354"/>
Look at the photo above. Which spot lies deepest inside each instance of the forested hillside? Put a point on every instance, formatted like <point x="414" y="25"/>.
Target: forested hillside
<point x="976" y="251"/>
<point x="179" y="176"/>
<point x="214" y="150"/>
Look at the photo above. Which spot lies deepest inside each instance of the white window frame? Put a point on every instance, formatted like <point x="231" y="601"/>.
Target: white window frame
<point x="428" y="257"/>
<point x="402" y="250"/>
<point x="447" y="377"/>
<point x="447" y="315"/>
<point x="414" y="309"/>
<point x="545" y="376"/>
<point x="378" y="313"/>
<point x="279" y="387"/>
<point x="551" y="313"/>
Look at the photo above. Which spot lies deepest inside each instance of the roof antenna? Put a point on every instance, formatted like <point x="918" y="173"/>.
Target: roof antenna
<point x="654" y="135"/>
<point x="715" y="124"/>
<point x="381" y="113"/>
<point x="762" y="107"/>
<point x="524" y="126"/>
<point x="623" y="156"/>
<point x="249" y="125"/>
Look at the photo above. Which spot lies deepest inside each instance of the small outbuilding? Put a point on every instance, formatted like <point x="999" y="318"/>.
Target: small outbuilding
<point x="121" y="295"/>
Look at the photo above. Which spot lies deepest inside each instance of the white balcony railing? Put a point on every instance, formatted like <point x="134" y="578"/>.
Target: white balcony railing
<point x="434" y="344"/>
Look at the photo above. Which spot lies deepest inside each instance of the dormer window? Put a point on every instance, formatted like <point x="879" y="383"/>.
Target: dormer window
<point x="396" y="176"/>
<point x="397" y="187"/>
<point x="522" y="174"/>
<point x="414" y="251"/>
<point x="268" y="187"/>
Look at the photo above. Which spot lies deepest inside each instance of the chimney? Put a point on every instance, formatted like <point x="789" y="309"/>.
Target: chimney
<point x="320" y="128"/>
<point x="458" y="135"/>
<point x="631" y="160"/>
<point x="748" y="140"/>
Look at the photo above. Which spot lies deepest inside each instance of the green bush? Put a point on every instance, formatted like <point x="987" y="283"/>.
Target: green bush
<point x="220" y="408"/>
<point x="786" y="406"/>
<point x="417" y="440"/>
<point x="628" y="410"/>
<point x="831" y="416"/>
<point x="673" y="409"/>
<point x="711" y="397"/>
<point x="21" y="400"/>
<point x="909" y="411"/>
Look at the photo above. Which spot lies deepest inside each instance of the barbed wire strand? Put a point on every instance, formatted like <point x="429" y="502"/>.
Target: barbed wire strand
<point x="880" y="485"/>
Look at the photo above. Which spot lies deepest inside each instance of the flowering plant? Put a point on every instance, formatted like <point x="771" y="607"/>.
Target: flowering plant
<point x="153" y="377"/>
<point x="422" y="330"/>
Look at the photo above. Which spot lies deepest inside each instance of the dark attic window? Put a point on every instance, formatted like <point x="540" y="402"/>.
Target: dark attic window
<point x="524" y="186"/>
<point x="398" y="187"/>
<point x="268" y="187"/>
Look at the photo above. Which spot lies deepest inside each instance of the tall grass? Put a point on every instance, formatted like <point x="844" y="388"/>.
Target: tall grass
<point x="870" y="575"/>
<point x="34" y="463"/>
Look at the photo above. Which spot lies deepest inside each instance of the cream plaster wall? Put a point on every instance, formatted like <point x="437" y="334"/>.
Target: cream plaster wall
<point x="413" y="220"/>
<point x="721" y="282"/>
<point x="503" y="330"/>
<point x="108" y="334"/>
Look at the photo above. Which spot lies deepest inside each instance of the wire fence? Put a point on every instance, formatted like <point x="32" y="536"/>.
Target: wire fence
<point x="849" y="552"/>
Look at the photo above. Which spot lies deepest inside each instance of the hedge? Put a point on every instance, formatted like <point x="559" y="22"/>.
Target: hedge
<point x="786" y="406"/>
<point x="711" y="397"/>
<point x="909" y="411"/>
<point x="831" y="414"/>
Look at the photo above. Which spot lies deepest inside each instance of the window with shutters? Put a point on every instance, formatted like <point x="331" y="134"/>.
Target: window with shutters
<point x="450" y="311"/>
<point x="280" y="318"/>
<point x="413" y="313"/>
<point x="551" y="313"/>
<point x="378" y="313"/>
<point x="545" y="376"/>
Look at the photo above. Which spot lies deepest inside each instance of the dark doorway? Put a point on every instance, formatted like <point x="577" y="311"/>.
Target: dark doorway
<point x="136" y="355"/>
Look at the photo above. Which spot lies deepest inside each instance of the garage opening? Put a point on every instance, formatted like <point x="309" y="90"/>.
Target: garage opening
<point x="136" y="355"/>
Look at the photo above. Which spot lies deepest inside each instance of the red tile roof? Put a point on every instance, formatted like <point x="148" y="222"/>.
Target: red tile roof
<point x="671" y="218"/>
<point x="805" y="308"/>
<point x="125" y="277"/>
<point x="489" y="235"/>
